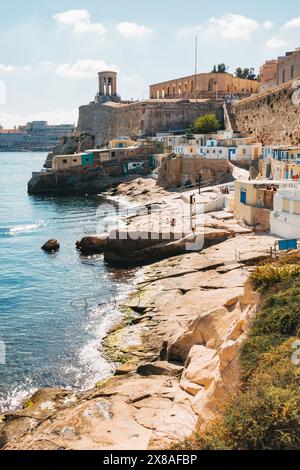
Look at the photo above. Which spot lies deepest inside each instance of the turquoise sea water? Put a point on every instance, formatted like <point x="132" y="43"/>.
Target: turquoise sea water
<point x="52" y="316"/>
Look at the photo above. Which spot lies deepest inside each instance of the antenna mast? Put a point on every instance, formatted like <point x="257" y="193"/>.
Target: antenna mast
<point x="196" y="66"/>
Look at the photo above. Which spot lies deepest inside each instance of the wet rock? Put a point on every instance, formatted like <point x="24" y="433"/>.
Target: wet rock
<point x="51" y="246"/>
<point x="92" y="245"/>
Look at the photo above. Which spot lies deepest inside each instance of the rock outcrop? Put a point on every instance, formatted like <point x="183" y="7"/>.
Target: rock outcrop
<point x="177" y="351"/>
<point x="51" y="246"/>
<point x="92" y="245"/>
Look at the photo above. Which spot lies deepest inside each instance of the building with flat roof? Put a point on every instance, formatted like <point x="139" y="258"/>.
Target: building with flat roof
<point x="268" y="75"/>
<point x="288" y="67"/>
<point x="204" y="86"/>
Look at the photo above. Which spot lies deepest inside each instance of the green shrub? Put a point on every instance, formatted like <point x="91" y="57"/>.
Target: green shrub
<point x="269" y="274"/>
<point x="207" y="124"/>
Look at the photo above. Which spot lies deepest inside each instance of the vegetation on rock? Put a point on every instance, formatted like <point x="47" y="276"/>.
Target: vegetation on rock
<point x="265" y="411"/>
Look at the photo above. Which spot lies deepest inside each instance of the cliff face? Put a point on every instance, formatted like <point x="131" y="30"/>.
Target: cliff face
<point x="111" y="120"/>
<point x="273" y="117"/>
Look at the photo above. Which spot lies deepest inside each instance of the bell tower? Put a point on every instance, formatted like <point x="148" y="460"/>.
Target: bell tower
<point x="107" y="87"/>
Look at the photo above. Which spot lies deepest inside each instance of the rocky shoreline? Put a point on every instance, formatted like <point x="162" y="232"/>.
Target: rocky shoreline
<point x="175" y="353"/>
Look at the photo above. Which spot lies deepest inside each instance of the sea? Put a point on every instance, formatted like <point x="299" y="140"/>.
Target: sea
<point x="54" y="309"/>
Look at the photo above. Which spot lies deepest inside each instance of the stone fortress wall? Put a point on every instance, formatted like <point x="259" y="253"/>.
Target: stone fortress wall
<point x="273" y="117"/>
<point x="110" y="120"/>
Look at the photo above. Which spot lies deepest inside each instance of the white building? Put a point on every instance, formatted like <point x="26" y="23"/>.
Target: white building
<point x="248" y="152"/>
<point x="204" y="151"/>
<point x="285" y="219"/>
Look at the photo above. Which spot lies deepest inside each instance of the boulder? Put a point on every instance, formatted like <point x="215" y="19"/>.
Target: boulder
<point x="160" y="368"/>
<point x="134" y="247"/>
<point x="51" y="246"/>
<point x="92" y="245"/>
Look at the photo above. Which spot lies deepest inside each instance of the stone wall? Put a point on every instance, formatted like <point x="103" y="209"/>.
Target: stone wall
<point x="176" y="171"/>
<point x="273" y="117"/>
<point x="111" y="120"/>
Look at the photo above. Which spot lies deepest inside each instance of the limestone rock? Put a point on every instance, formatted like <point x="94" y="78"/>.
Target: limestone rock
<point x="206" y="404"/>
<point x="160" y="368"/>
<point x="210" y="325"/>
<point x="51" y="246"/>
<point x="227" y="353"/>
<point x="201" y="367"/>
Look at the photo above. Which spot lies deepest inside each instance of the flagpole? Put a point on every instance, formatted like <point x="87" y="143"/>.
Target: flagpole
<point x="196" y="64"/>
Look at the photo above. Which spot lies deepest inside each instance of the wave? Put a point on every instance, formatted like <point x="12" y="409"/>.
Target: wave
<point x="19" y="229"/>
<point x="13" y="400"/>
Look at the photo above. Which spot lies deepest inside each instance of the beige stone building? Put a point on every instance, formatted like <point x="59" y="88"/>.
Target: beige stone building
<point x="288" y="67"/>
<point x="268" y="75"/>
<point x="203" y="86"/>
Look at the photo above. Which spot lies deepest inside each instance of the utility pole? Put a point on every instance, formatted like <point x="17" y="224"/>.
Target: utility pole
<point x="192" y="202"/>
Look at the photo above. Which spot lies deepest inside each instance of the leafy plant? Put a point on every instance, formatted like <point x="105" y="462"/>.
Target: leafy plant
<point x="207" y="124"/>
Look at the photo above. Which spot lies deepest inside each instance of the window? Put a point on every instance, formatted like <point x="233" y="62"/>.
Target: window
<point x="283" y="76"/>
<point x="113" y="154"/>
<point x="65" y="162"/>
<point x="74" y="160"/>
<point x="292" y="71"/>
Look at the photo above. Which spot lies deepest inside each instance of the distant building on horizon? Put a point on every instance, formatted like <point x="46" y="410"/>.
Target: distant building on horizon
<point x="34" y="136"/>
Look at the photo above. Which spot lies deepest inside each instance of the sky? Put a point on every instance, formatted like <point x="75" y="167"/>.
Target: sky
<point x="51" y="51"/>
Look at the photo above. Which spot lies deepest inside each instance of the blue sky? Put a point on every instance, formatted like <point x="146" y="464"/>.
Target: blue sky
<point x="51" y="51"/>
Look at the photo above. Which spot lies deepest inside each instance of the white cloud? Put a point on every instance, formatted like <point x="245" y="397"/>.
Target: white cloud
<point x="268" y="24"/>
<point x="80" y="22"/>
<point x="294" y="23"/>
<point x="128" y="29"/>
<point x="275" y="43"/>
<point x="13" y="68"/>
<point x="234" y="26"/>
<point x="7" y="68"/>
<point x="82" y="69"/>
<point x="229" y="26"/>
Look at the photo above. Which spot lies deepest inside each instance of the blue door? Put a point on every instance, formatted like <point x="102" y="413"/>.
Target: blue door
<point x="243" y="196"/>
